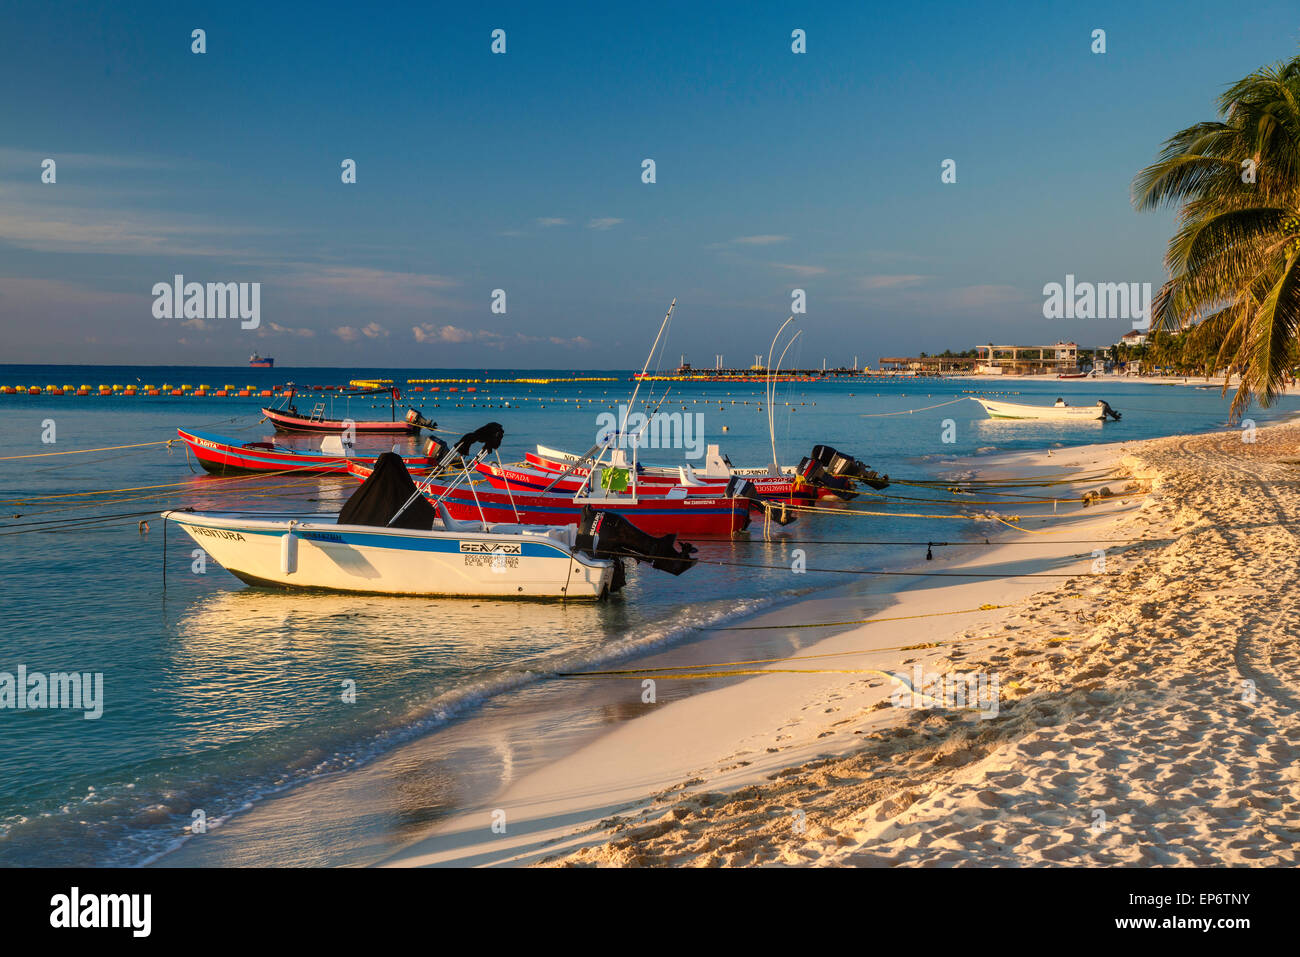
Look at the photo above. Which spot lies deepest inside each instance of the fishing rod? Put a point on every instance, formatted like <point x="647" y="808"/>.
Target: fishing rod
<point x="489" y="435"/>
<point x="645" y="368"/>
<point x="770" y="390"/>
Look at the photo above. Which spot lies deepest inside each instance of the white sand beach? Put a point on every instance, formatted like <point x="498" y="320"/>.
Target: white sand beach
<point x="1148" y="717"/>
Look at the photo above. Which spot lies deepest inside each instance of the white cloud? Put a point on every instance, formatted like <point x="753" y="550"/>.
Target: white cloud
<point x="372" y="330"/>
<point x="328" y="284"/>
<point x="604" y="222"/>
<point x="759" y="240"/>
<point x="552" y="221"/>
<point x="890" y="282"/>
<point x="800" y="270"/>
<point x="428" y="332"/>
<point x="291" y="330"/>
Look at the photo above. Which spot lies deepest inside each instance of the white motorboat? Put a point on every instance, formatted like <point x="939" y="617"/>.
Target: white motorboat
<point x="461" y="559"/>
<point x="1060" y="412"/>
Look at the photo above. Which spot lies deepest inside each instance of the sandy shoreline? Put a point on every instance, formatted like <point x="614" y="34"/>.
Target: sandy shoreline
<point x="737" y="735"/>
<point x="1147" y="718"/>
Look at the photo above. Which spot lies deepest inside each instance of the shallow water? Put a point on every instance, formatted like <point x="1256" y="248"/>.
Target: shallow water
<point x="217" y="694"/>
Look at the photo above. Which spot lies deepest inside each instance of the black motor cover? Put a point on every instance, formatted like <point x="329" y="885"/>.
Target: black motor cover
<point x="839" y="464"/>
<point x="380" y="496"/>
<point x="740" y="487"/>
<point x="609" y="535"/>
<point x="490" y="435"/>
<point x="815" y="474"/>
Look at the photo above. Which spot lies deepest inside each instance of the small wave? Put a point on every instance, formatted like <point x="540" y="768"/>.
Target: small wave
<point x="130" y="825"/>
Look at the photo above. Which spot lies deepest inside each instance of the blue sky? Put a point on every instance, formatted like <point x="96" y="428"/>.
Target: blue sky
<point x="522" y="172"/>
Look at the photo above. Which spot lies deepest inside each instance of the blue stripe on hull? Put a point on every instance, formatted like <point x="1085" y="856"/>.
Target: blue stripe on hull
<point x="392" y="542"/>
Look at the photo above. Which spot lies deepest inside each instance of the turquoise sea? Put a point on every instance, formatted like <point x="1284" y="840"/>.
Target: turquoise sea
<point x="216" y="694"/>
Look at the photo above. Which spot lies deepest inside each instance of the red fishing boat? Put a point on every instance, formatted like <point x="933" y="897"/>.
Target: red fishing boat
<point x="561" y="479"/>
<point x="673" y="511"/>
<point x="289" y="419"/>
<point x="221" y="456"/>
<point x="825" y="474"/>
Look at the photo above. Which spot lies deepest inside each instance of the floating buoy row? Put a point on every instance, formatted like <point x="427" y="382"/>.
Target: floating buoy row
<point x="130" y="390"/>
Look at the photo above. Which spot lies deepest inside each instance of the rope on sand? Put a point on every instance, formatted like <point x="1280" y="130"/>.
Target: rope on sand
<point x="858" y="621"/>
<point x="686" y="673"/>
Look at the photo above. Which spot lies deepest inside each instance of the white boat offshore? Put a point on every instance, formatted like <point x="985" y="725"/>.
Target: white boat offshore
<point x="1060" y="412"/>
<point x="390" y="539"/>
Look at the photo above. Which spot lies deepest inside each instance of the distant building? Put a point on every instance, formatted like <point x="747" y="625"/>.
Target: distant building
<point x="1058" y="358"/>
<point x="1134" y="338"/>
<point x="927" y="364"/>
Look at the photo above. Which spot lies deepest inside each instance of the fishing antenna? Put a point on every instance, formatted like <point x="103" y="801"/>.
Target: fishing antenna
<point x="662" y="326"/>
<point x="771" y="391"/>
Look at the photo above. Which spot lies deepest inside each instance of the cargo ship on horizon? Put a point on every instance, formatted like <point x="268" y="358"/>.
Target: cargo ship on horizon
<point x="260" y="362"/>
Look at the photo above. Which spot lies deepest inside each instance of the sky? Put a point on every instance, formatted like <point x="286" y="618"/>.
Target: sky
<point x="522" y="171"/>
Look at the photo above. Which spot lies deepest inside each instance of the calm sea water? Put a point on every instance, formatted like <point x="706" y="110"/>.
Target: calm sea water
<point x="217" y="694"/>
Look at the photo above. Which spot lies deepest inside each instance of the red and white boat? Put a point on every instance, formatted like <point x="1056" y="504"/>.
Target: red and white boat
<point x="673" y="510"/>
<point x="552" y="474"/>
<point x="826" y="474"/>
<point x="220" y="455"/>
<point x="289" y="419"/>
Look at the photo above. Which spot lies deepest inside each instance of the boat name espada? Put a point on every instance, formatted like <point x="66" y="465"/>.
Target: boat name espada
<point x="491" y="548"/>
<point x="216" y="533"/>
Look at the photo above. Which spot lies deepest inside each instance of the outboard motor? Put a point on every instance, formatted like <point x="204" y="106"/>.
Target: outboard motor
<point x="435" y="448"/>
<point x="413" y="417"/>
<point x="838" y="464"/>
<point x="743" y="488"/>
<point x="815" y="474"/>
<point x="609" y="535"/>
<point x="1107" y="410"/>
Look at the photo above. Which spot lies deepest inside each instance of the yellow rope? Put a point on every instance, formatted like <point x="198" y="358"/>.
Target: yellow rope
<point x="637" y="672"/>
<point x="858" y="621"/>
<point x="728" y="674"/>
<point x="107" y="448"/>
<point x="858" y="511"/>
<point x="145" y="488"/>
<point x="1031" y="531"/>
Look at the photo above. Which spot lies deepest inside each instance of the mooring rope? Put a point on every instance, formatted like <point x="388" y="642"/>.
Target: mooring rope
<point x="877" y="415"/>
<point x="107" y="448"/>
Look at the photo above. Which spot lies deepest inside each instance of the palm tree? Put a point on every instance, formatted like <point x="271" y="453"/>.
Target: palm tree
<point x="1234" y="262"/>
